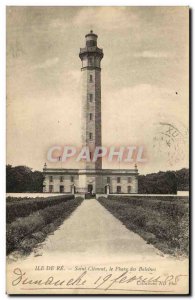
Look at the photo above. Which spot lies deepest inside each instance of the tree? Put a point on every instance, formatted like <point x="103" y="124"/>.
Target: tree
<point x="22" y="179"/>
<point x="158" y="183"/>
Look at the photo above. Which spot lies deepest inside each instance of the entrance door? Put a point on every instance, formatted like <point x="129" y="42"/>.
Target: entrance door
<point x="105" y="189"/>
<point x="90" y="188"/>
<point x="118" y="189"/>
<point x="61" y="189"/>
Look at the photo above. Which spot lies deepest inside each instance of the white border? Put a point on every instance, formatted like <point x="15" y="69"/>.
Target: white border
<point x="99" y="3"/>
<point x="3" y="5"/>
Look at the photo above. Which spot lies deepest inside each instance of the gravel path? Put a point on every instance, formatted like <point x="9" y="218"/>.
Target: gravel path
<point x="93" y="231"/>
<point x="93" y="241"/>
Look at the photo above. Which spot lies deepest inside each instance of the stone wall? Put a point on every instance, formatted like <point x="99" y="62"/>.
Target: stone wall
<point x="98" y="182"/>
<point x="123" y="184"/>
<point x="56" y="183"/>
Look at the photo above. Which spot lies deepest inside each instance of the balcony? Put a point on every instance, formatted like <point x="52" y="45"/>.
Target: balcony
<point x="93" y="49"/>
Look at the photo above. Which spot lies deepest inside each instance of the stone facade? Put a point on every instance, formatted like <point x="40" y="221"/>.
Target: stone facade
<point x="90" y="181"/>
<point x="92" y="178"/>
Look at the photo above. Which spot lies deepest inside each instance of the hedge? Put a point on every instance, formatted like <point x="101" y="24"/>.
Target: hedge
<point x="17" y="207"/>
<point x="24" y="228"/>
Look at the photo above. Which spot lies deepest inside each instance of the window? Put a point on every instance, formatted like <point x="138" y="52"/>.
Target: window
<point x="91" y="43"/>
<point x="50" y="178"/>
<point x="118" y="189"/>
<point x="61" y="189"/>
<point x="90" y="116"/>
<point x="90" y="136"/>
<point x="72" y="178"/>
<point x="51" y="188"/>
<point x="90" y="155"/>
<point x="118" y="179"/>
<point x="129" y="189"/>
<point x="97" y="62"/>
<point x="129" y="179"/>
<point x="108" y="179"/>
<point x="61" y="178"/>
<point x="90" y="97"/>
<point x="91" y="78"/>
<point x="90" y="61"/>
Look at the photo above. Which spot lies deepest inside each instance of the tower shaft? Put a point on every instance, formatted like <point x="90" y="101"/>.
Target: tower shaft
<point x="91" y="57"/>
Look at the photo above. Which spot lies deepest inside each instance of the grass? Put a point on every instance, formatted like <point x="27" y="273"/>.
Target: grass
<point x="164" y="224"/>
<point x="25" y="233"/>
<point x="17" y="207"/>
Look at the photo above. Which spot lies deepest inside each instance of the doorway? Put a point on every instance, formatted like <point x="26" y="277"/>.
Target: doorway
<point x="90" y="188"/>
<point x="61" y="189"/>
<point x="118" y="189"/>
<point x="51" y="188"/>
<point x="105" y="189"/>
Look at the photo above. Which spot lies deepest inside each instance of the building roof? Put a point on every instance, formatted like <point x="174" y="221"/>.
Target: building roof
<point x="91" y="171"/>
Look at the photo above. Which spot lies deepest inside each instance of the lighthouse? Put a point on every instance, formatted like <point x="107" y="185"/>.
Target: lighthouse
<point x="91" y="57"/>
<point x="91" y="179"/>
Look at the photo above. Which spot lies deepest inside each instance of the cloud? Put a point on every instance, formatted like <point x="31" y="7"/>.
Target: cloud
<point x="152" y="54"/>
<point x="140" y="106"/>
<point x="74" y="75"/>
<point x="58" y="24"/>
<point x="107" y="18"/>
<point x="131" y="116"/>
<point x="46" y="64"/>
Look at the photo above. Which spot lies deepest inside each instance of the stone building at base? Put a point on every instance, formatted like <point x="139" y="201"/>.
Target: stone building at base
<point x="92" y="179"/>
<point x="105" y="181"/>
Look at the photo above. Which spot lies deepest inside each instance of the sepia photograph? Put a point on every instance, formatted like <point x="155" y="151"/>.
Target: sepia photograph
<point x="97" y="154"/>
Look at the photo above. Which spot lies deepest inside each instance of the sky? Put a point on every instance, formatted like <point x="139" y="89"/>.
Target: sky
<point x="145" y="96"/>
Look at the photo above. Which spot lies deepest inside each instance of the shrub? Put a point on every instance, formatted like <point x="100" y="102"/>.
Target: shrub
<point x="17" y="207"/>
<point x="25" y="227"/>
<point x="163" y="223"/>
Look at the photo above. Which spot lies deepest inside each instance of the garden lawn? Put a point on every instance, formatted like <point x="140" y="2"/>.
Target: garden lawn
<point x="164" y="224"/>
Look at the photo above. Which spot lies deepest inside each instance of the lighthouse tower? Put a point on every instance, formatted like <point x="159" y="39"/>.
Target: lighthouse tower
<point x="91" y="178"/>
<point x="91" y="57"/>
